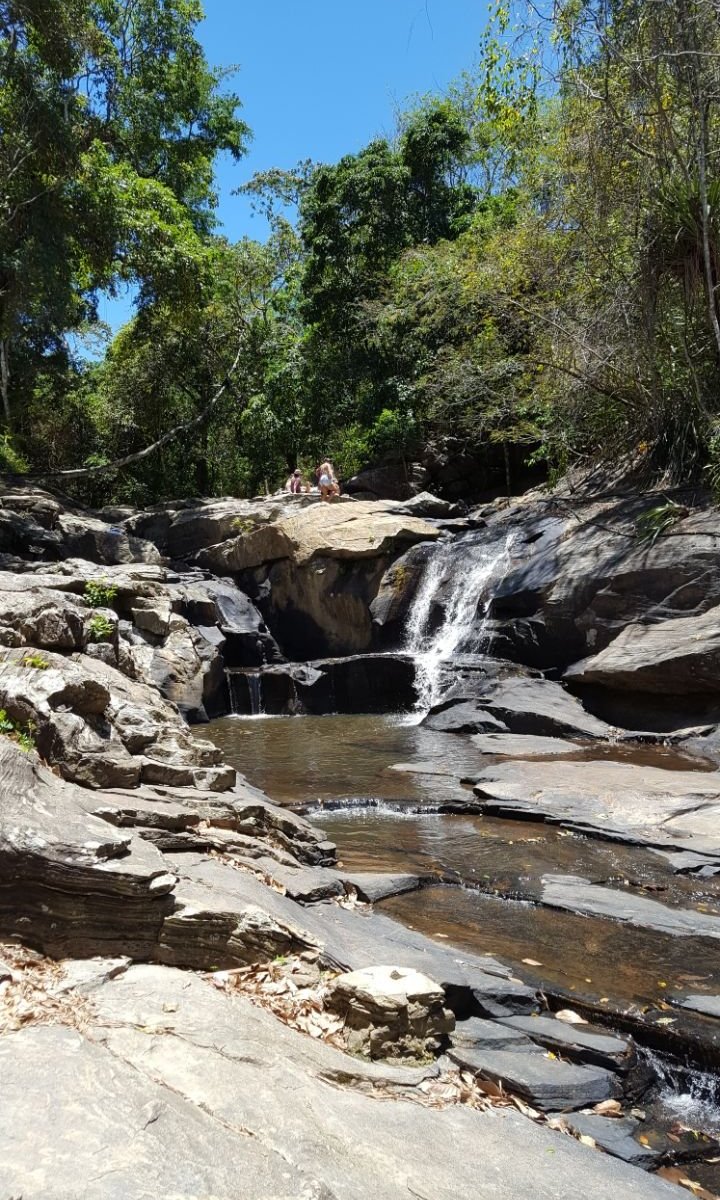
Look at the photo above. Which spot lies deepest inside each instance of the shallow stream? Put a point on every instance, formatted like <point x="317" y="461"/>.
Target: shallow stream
<point x="482" y="874"/>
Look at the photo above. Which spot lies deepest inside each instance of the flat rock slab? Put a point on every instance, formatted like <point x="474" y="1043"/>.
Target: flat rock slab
<point x="545" y="1082"/>
<point x="466" y="716"/>
<point x="582" y="1043"/>
<point x="643" y="805"/>
<point x="615" y="1135"/>
<point x="374" y="886"/>
<point x="687" y="863"/>
<point x="525" y="746"/>
<point x="102" y="1129"/>
<point x="709" y="1006"/>
<point x="574" y="894"/>
<point x="180" y="1089"/>
<point x="481" y="1034"/>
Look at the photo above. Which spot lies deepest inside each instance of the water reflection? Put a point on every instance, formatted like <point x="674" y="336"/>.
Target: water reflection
<point x="323" y="762"/>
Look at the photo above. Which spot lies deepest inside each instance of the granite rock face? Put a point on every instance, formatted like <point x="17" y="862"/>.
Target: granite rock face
<point x="680" y="656"/>
<point x="314" y="570"/>
<point x="582" y="573"/>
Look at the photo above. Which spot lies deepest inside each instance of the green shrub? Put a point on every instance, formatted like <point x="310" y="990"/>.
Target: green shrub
<point x="21" y="735"/>
<point x="35" y="661"/>
<point x="656" y="521"/>
<point x="100" y="628"/>
<point x="243" y="525"/>
<point x="99" y="594"/>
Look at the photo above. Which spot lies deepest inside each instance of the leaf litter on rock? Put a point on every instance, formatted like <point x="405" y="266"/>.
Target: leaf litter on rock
<point x="30" y="992"/>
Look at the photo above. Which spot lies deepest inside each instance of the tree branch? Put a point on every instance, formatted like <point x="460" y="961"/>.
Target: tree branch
<point x="139" y="455"/>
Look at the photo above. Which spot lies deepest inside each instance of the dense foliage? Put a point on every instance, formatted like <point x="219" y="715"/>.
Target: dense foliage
<point x="528" y="269"/>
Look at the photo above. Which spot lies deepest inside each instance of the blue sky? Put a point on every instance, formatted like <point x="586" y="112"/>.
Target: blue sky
<point x="320" y="78"/>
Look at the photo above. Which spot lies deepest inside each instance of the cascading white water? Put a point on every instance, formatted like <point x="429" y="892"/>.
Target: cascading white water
<point x="465" y="574"/>
<point x="687" y="1093"/>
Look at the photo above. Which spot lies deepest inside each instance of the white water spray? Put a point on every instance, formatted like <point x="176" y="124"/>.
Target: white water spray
<point x="466" y="580"/>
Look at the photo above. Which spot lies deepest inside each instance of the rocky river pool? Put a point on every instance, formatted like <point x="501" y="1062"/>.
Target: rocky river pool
<point x="482" y="876"/>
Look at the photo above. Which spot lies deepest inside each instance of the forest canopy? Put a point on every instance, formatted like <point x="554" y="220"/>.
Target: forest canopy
<point x="529" y="267"/>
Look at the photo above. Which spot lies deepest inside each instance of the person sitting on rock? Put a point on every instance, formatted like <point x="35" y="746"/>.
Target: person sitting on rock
<point x="295" y="483"/>
<point x="327" y="482"/>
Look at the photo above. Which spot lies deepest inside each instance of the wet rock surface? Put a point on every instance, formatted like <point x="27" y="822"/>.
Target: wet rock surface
<point x="501" y="698"/>
<point x="645" y="805"/>
<point x="546" y="1083"/>
<point x="580" y="896"/>
<point x="614" y="1136"/>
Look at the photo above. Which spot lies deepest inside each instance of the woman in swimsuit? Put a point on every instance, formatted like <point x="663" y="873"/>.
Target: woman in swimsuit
<point x="327" y="481"/>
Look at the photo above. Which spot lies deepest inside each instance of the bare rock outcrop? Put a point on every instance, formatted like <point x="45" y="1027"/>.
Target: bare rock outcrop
<point x="680" y="656"/>
<point x="315" y="571"/>
<point x="102" y="729"/>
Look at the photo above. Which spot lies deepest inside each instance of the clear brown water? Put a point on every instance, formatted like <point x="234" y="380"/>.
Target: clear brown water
<point x="338" y="768"/>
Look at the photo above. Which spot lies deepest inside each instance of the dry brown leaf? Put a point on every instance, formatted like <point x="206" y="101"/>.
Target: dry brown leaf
<point x="677" y="1175"/>
<point x="489" y="1088"/>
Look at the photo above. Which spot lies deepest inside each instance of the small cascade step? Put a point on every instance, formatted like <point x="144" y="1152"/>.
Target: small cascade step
<point x="360" y="683"/>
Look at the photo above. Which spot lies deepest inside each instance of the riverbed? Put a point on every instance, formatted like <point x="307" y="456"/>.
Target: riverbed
<point x="482" y="875"/>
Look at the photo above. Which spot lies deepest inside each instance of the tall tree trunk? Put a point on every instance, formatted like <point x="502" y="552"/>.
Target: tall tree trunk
<point x="710" y="285"/>
<point x="5" y="378"/>
<point x="701" y="96"/>
<point x="508" y="477"/>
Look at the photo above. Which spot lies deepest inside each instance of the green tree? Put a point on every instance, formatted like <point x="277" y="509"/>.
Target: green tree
<point x="110" y="119"/>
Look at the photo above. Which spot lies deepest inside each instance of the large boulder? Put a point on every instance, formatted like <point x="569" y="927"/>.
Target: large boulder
<point x="581" y="574"/>
<point x="394" y="481"/>
<point x="314" y="573"/>
<point x="676" y="657"/>
<point x="182" y="528"/>
<point x="32" y="615"/>
<point x="496" y="697"/>
<point x="338" y="531"/>
<point x="85" y="536"/>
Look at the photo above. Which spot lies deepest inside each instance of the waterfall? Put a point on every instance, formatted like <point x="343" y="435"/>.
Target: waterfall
<point x="245" y="700"/>
<point x="458" y="578"/>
